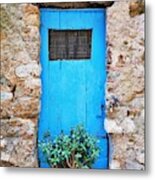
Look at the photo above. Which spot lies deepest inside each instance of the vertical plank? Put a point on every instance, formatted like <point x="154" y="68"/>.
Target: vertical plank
<point x="73" y="80"/>
<point x="49" y="108"/>
<point x="95" y="76"/>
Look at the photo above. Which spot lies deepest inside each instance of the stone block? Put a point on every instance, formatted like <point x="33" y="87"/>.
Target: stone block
<point x="6" y="96"/>
<point x="111" y="126"/>
<point x="26" y="106"/>
<point x="31" y="69"/>
<point x="19" y="142"/>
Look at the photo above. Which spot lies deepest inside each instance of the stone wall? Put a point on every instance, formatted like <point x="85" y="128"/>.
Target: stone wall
<point x="125" y="84"/>
<point x="20" y="84"/>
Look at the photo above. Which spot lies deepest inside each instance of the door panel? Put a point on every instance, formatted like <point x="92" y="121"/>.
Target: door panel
<point x="73" y="90"/>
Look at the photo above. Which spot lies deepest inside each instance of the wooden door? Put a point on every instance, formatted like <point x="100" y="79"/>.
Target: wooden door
<point x="73" y="75"/>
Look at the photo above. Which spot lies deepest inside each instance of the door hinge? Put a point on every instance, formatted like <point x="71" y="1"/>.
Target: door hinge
<point x="103" y="136"/>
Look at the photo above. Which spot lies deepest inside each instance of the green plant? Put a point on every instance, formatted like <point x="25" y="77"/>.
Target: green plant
<point x="76" y="150"/>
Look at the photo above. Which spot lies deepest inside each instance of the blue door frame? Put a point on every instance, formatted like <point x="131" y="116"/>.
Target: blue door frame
<point x="73" y="91"/>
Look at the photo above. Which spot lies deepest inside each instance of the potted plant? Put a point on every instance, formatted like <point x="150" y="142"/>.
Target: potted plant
<point x="76" y="150"/>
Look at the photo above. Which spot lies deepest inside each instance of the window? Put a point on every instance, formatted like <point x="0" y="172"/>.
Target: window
<point x="69" y="44"/>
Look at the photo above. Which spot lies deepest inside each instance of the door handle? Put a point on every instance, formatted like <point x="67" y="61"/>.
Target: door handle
<point x="102" y="108"/>
<point x="102" y="111"/>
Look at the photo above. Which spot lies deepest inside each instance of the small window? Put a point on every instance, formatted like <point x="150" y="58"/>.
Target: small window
<point x="69" y="44"/>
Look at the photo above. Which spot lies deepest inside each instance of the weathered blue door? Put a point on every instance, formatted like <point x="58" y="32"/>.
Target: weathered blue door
<point x="73" y="74"/>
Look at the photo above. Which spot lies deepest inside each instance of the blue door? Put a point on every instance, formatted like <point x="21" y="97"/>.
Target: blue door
<point x="73" y="75"/>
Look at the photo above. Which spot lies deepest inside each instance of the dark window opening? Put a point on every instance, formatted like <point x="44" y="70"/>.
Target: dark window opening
<point x="69" y="44"/>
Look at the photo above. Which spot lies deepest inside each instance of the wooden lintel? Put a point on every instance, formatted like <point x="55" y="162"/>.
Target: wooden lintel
<point x="68" y="5"/>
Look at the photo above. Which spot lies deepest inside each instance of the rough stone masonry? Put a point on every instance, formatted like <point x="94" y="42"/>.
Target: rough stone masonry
<point x="21" y="84"/>
<point x="125" y="84"/>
